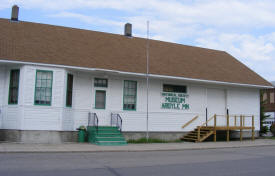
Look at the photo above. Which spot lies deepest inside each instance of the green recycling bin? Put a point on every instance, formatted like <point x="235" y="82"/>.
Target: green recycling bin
<point x="81" y="135"/>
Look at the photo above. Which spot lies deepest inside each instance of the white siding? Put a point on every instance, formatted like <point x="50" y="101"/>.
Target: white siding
<point x="38" y="117"/>
<point x="68" y="119"/>
<point x="28" y="116"/>
<point x="82" y="99"/>
<point x="10" y="114"/>
<point x="2" y="84"/>
<point x="42" y="118"/>
<point x="200" y="97"/>
<point x="216" y="104"/>
<point x="2" y="88"/>
<point x="245" y="101"/>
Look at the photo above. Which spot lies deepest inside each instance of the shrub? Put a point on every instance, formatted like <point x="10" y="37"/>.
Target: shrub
<point x="263" y="130"/>
<point x="272" y="129"/>
<point x="82" y="127"/>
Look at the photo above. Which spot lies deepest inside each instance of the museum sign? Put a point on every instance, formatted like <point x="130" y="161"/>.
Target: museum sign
<point x="173" y="100"/>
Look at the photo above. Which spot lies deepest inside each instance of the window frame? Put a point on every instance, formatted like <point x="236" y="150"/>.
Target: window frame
<point x="264" y="97"/>
<point x="271" y="98"/>
<point x="9" y="98"/>
<point x="186" y="88"/>
<point x="69" y="106"/>
<point x="125" y="109"/>
<point x="36" y="84"/>
<point x="98" y="90"/>
<point x="101" y="79"/>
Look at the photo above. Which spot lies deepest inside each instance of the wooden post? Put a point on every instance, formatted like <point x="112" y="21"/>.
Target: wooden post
<point x="215" y="132"/>
<point x="241" y="128"/>
<point x="227" y="132"/>
<point x="199" y="134"/>
<point x="235" y="120"/>
<point x="253" y="128"/>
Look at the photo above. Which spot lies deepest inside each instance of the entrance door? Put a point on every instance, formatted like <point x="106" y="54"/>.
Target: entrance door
<point x="216" y="104"/>
<point x="100" y="92"/>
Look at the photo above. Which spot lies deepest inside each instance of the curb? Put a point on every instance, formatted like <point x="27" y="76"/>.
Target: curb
<point x="134" y="150"/>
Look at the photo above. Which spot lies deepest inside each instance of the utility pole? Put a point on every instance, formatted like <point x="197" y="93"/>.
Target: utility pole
<point x="147" y="82"/>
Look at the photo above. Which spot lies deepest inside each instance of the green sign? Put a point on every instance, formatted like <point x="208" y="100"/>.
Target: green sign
<point x="174" y="101"/>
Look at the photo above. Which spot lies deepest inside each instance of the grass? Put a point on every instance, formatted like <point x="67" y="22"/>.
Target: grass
<point x="270" y="137"/>
<point x="150" y="140"/>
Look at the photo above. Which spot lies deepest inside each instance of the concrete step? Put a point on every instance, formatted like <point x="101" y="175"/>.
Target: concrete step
<point x="105" y="135"/>
<point x="109" y="135"/>
<point x="111" y="143"/>
<point x="109" y="138"/>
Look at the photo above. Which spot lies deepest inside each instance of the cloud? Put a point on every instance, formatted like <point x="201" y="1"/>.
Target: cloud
<point x="241" y="45"/>
<point x="257" y="52"/>
<point x="223" y="13"/>
<point x="86" y="19"/>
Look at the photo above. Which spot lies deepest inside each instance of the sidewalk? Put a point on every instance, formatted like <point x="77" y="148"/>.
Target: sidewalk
<point x="76" y="147"/>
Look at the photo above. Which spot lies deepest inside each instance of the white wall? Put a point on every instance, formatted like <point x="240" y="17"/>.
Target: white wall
<point x="215" y="98"/>
<point x="82" y="98"/>
<point x="10" y="114"/>
<point x="28" y="116"/>
<point x="37" y="117"/>
<point x="2" y="88"/>
<point x="245" y="101"/>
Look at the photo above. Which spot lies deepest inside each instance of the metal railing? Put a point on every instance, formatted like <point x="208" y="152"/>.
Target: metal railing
<point x="93" y="120"/>
<point x="116" y="120"/>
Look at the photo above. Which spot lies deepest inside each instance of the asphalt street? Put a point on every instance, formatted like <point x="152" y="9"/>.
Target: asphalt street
<point x="251" y="161"/>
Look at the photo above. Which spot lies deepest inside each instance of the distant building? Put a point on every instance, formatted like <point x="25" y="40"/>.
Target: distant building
<point x="268" y="99"/>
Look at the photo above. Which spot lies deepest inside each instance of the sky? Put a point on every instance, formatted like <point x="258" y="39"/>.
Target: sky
<point x="243" y="28"/>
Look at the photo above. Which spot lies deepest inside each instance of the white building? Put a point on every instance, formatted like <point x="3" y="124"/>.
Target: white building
<point x="51" y="77"/>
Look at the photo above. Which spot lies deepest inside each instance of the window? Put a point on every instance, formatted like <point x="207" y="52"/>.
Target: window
<point x="43" y="87"/>
<point x="69" y="94"/>
<point x="271" y="100"/>
<point x="14" y="85"/>
<point x="100" y="99"/>
<point x="99" y="82"/>
<point x="129" y="95"/>
<point x="174" y="88"/>
<point x="264" y="98"/>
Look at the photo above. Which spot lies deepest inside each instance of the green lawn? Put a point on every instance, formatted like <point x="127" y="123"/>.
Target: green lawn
<point x="270" y="137"/>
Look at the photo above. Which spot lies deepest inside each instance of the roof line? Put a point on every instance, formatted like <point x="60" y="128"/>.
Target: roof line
<point x="138" y="74"/>
<point x="115" y="34"/>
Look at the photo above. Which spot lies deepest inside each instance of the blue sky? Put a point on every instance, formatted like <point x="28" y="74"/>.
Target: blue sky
<point x="243" y="28"/>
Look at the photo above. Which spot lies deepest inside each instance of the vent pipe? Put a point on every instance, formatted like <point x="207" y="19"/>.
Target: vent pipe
<point x="128" y="30"/>
<point x="14" y="13"/>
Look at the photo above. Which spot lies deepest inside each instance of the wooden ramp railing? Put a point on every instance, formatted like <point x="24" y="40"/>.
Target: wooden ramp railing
<point x="189" y="122"/>
<point x="200" y="133"/>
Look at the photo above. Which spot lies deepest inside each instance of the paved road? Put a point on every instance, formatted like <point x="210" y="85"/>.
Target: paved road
<point x="253" y="161"/>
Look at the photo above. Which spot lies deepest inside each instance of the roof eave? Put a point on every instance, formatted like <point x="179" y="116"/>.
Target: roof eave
<point x="141" y="74"/>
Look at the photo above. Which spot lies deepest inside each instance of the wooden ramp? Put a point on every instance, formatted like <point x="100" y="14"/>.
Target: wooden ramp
<point x="204" y="131"/>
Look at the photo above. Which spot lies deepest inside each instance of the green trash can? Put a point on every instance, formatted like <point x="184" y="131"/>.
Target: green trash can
<point x="81" y="134"/>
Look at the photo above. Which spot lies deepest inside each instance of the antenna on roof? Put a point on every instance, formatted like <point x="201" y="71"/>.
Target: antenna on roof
<point x="14" y="13"/>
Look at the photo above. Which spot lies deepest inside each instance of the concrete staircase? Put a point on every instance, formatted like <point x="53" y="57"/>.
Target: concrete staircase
<point x="105" y="135"/>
